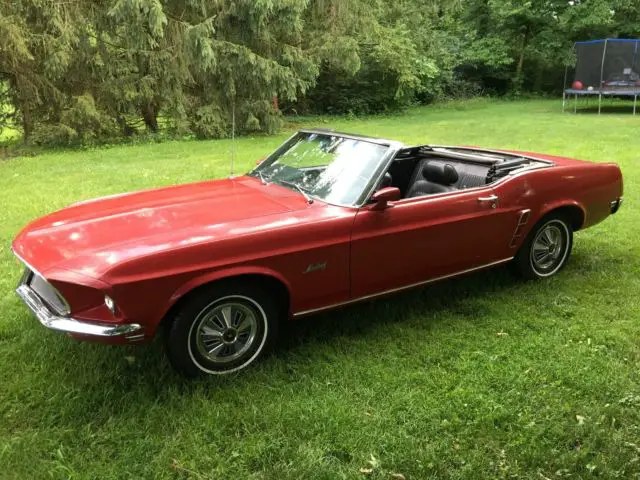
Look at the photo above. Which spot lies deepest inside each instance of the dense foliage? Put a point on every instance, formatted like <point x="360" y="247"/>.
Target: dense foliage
<point x="78" y="70"/>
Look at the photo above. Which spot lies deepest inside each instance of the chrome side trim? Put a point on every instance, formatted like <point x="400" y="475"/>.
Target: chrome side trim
<point x="398" y="289"/>
<point x="522" y="221"/>
<point x="72" y="325"/>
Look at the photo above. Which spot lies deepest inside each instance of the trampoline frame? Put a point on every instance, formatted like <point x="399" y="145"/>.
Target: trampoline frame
<point x="567" y="92"/>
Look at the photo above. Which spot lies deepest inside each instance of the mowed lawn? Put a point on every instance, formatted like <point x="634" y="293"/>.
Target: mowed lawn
<point x="481" y="377"/>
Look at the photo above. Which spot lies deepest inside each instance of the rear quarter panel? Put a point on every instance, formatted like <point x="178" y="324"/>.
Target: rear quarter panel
<point x="570" y="183"/>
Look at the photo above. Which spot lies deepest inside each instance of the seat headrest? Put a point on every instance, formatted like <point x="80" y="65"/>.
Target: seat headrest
<point x="386" y="181"/>
<point x="442" y="174"/>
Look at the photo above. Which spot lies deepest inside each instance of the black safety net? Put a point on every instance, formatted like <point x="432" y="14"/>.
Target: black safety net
<point x="607" y="66"/>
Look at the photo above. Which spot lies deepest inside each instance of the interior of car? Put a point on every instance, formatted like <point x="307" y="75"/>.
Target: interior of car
<point x="420" y="171"/>
<point x="425" y="170"/>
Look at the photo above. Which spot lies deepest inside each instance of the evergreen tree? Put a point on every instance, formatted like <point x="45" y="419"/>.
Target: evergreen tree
<point x="78" y="70"/>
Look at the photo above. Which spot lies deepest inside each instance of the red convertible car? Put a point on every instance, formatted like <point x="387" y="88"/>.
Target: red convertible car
<point x="326" y="220"/>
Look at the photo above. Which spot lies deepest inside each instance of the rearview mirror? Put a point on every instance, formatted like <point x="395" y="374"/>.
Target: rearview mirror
<point x="385" y="195"/>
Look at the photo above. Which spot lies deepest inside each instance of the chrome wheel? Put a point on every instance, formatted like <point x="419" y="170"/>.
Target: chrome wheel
<point x="223" y="327"/>
<point x="225" y="330"/>
<point x="549" y="248"/>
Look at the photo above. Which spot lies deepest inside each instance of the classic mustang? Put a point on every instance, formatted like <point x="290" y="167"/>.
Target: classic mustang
<point x="326" y="220"/>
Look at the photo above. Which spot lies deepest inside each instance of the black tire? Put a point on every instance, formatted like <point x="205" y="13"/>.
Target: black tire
<point x="527" y="261"/>
<point x="207" y="320"/>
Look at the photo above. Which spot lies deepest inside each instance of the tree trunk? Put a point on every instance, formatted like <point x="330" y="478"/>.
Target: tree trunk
<point x="21" y="105"/>
<point x="127" y="129"/>
<point x="518" y="80"/>
<point x="150" y="116"/>
<point x="27" y="124"/>
<point x="520" y="62"/>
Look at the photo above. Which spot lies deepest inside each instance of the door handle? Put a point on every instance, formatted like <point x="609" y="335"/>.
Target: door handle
<point x="491" y="198"/>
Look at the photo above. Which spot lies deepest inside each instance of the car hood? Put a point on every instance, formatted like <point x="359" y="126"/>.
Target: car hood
<point x="119" y="227"/>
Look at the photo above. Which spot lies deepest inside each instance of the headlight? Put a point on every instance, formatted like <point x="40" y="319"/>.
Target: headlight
<point x="111" y="305"/>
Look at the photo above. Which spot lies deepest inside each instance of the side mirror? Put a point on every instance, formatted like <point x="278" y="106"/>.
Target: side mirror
<point x="382" y="197"/>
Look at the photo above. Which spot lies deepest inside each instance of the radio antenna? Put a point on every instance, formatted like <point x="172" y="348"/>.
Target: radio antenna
<point x="233" y="134"/>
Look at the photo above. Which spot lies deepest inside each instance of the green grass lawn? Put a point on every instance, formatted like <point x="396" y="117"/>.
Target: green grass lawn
<point x="482" y="377"/>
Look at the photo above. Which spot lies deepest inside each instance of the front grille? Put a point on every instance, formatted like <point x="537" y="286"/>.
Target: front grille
<point x="47" y="293"/>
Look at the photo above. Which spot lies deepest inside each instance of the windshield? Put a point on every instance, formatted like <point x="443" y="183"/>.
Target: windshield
<point x="329" y="167"/>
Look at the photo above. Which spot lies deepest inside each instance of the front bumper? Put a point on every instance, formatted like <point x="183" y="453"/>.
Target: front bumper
<point x="130" y="331"/>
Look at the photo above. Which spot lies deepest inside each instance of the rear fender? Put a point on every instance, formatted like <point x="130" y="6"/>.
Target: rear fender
<point x="558" y="204"/>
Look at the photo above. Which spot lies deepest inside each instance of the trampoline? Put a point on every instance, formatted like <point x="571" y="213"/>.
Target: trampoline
<point x="604" y="68"/>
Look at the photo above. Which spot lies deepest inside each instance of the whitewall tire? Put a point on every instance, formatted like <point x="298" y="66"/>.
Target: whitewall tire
<point x="222" y="329"/>
<point x="547" y="248"/>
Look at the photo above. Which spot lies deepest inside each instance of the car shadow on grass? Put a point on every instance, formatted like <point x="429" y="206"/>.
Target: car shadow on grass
<point x="452" y="296"/>
<point x="127" y="368"/>
<point x="465" y="299"/>
<point x="107" y="382"/>
<point x="353" y="319"/>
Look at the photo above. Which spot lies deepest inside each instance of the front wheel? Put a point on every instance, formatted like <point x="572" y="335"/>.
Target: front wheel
<point x="222" y="329"/>
<point x="547" y="248"/>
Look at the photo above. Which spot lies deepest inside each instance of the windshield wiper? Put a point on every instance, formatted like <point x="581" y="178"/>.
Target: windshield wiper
<point x="262" y="179"/>
<point x="298" y="188"/>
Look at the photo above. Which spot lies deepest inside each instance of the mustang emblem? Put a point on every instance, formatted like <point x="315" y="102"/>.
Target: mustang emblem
<point x="315" y="266"/>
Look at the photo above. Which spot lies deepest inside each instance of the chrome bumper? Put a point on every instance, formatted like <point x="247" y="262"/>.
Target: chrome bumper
<point x="130" y="331"/>
<point x="616" y="204"/>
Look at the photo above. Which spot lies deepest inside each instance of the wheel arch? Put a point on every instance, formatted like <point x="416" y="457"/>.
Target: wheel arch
<point x="271" y="280"/>
<point x="571" y="210"/>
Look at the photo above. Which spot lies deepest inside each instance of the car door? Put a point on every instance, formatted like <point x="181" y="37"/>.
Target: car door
<point x="422" y="238"/>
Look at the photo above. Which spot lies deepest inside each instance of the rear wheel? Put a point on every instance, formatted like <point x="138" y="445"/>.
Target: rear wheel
<point x="222" y="329"/>
<point x="547" y="248"/>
